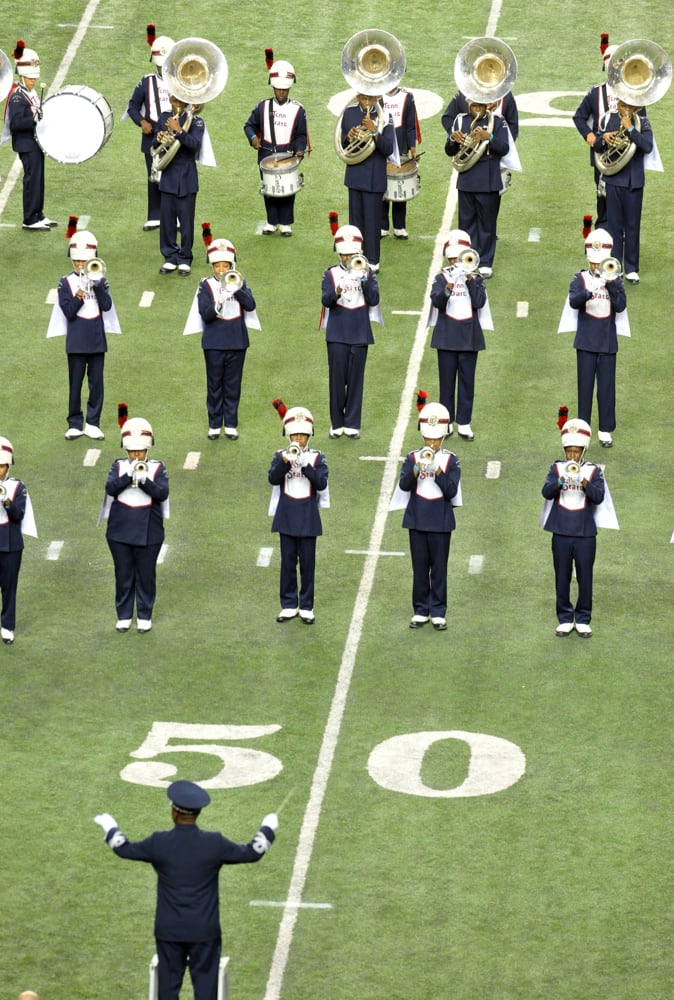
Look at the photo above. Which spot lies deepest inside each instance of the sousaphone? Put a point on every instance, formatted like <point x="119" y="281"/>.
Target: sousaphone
<point x="6" y="75"/>
<point x="195" y="71"/>
<point x="373" y="62"/>
<point x="639" y="73"/>
<point x="485" y="70"/>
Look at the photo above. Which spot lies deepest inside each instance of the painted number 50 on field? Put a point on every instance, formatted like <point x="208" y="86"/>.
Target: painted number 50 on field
<point x="396" y="764"/>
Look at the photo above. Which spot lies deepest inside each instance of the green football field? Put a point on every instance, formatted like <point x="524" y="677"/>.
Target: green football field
<point x="479" y="814"/>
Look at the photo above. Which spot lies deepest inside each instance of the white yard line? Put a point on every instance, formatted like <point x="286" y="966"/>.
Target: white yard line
<point x="331" y="733"/>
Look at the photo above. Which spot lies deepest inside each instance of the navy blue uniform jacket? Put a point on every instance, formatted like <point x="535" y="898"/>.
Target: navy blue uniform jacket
<point x="563" y="520"/>
<point x="84" y="336"/>
<point x="11" y="536"/>
<point x="485" y="175"/>
<point x="595" y="333"/>
<point x="348" y="326"/>
<point x="136" y="525"/>
<point x="298" y="515"/>
<point x="632" y="174"/>
<point x="222" y="334"/>
<point x="181" y="177"/>
<point x="430" y="515"/>
<point x="139" y="109"/>
<point x="187" y="861"/>
<point x="370" y="175"/>
<point x="450" y="334"/>
<point x="22" y="123"/>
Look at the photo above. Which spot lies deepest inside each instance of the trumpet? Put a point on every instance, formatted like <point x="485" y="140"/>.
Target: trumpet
<point x="138" y="468"/>
<point x="426" y="456"/>
<point x="610" y="269"/>
<point x="571" y="469"/>
<point x="359" y="265"/>
<point x="3" y="493"/>
<point x="468" y="261"/>
<point x="231" y="281"/>
<point x="95" y="270"/>
<point x="294" y="452"/>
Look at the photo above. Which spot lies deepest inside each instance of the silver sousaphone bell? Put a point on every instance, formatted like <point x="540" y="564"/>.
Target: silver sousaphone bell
<point x="639" y="73"/>
<point x="6" y="75"/>
<point x="485" y="70"/>
<point x="373" y="63"/>
<point x="195" y="71"/>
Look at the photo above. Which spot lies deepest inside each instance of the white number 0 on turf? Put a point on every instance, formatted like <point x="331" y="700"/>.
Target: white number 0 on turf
<point x="495" y="764"/>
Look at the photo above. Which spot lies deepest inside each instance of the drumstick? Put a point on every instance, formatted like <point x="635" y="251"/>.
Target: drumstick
<point x="285" y="801"/>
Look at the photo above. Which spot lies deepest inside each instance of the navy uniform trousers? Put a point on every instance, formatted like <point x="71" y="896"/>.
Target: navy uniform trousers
<point x="567" y="550"/>
<point x="135" y="574"/>
<point x="203" y="958"/>
<point x="430" y="555"/>
<point x="10" y="564"/>
<point x="346" y="364"/>
<point x="296" y="549"/>
<point x="591" y="366"/>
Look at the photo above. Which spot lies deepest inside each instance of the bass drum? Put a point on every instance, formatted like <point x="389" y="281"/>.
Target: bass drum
<point x="402" y="183"/>
<point x="75" y="124"/>
<point x="280" y="177"/>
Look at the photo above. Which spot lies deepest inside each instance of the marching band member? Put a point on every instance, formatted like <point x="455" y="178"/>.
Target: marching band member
<point x="350" y="299"/>
<point x="399" y="104"/>
<point x="366" y="180"/>
<point x="178" y="186"/>
<point x="223" y="311"/>
<point x="16" y="520"/>
<point x="506" y="108"/>
<point x="597" y="310"/>
<point x="597" y="101"/>
<point x="575" y="493"/>
<point x="299" y="477"/>
<point x="278" y="125"/>
<point x="24" y="110"/>
<point x="84" y="312"/>
<point x="459" y="309"/>
<point x="479" y="186"/>
<point x="430" y="482"/>
<point x="148" y="102"/>
<point x="625" y="188"/>
<point x="135" y="506"/>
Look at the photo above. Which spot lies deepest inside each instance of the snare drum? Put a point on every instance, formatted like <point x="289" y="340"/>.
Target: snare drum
<point x="280" y="177"/>
<point x="75" y="124"/>
<point x="403" y="182"/>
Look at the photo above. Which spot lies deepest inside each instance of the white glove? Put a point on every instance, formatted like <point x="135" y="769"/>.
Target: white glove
<point x="270" y="821"/>
<point x="106" y="822"/>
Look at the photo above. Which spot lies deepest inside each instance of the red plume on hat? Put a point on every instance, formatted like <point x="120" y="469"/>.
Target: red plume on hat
<point x="269" y="57"/>
<point x="280" y="407"/>
<point x="206" y="234"/>
<point x="562" y="416"/>
<point x="333" y="219"/>
<point x="587" y="226"/>
<point x="122" y="413"/>
<point x="71" y="228"/>
<point x="603" y="42"/>
<point x="18" y="51"/>
<point x="422" y="399"/>
<point x="151" y="34"/>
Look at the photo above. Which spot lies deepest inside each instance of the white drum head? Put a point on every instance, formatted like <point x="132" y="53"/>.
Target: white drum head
<point x="75" y="124"/>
